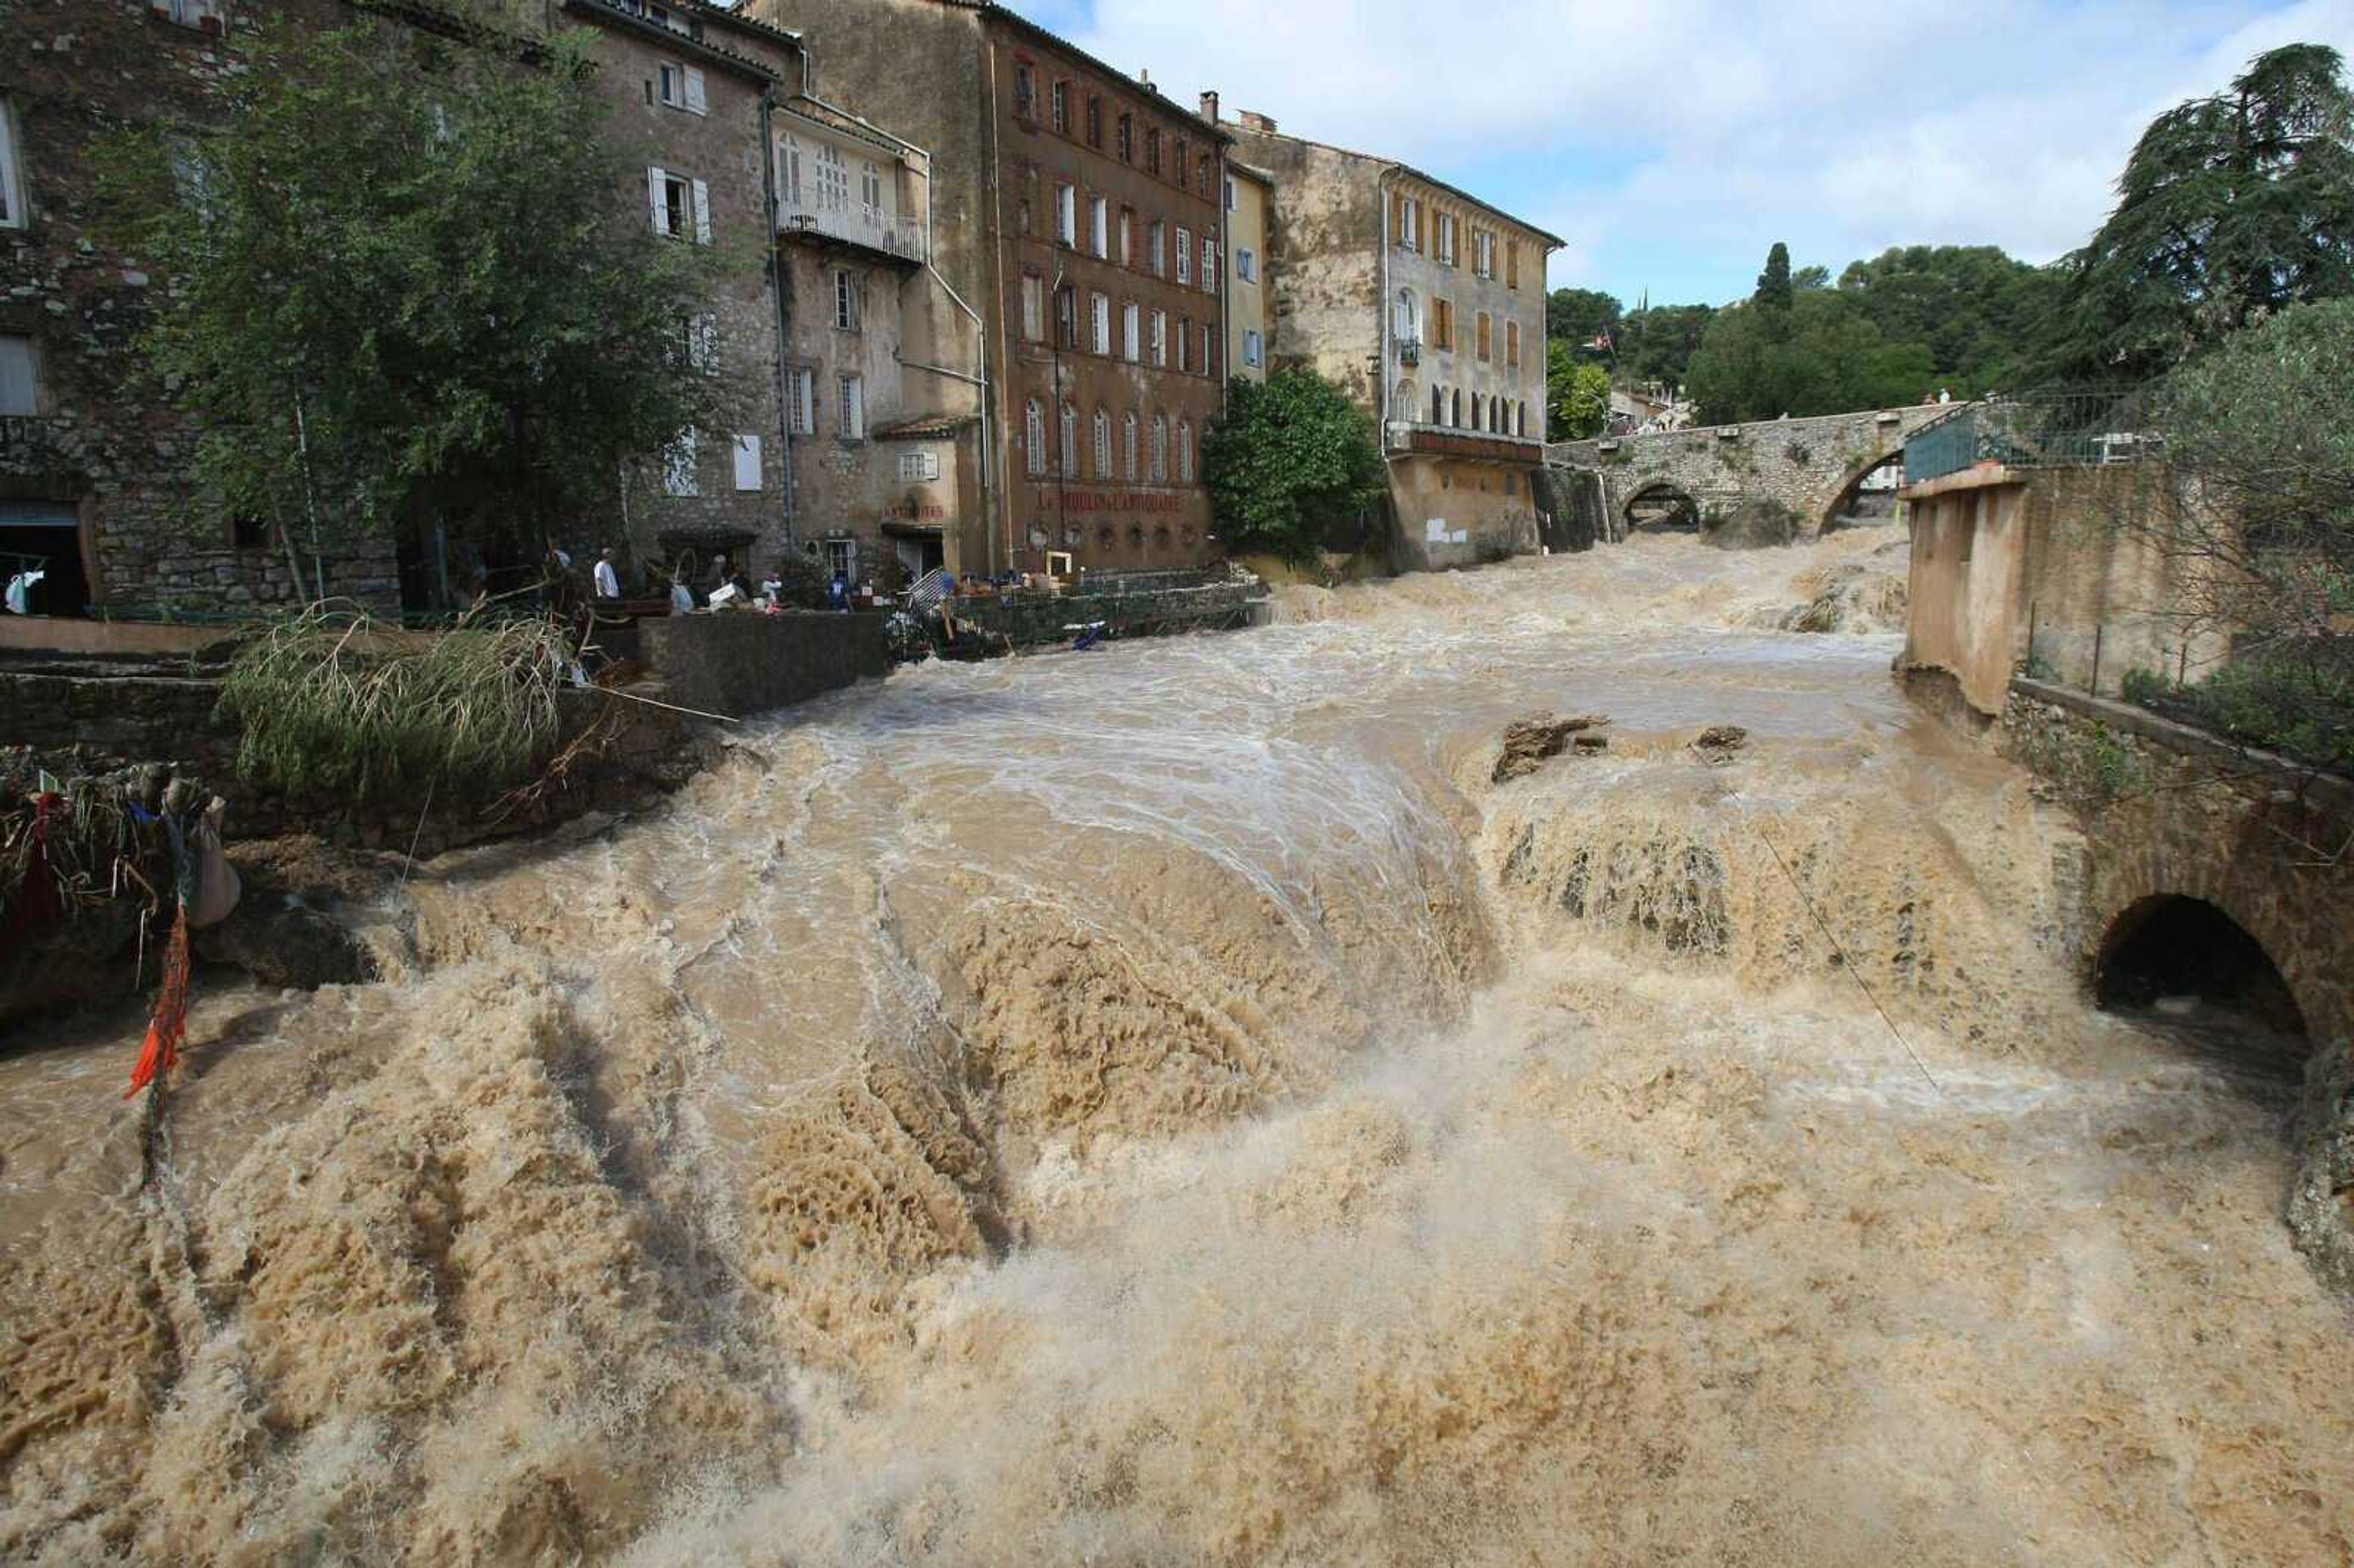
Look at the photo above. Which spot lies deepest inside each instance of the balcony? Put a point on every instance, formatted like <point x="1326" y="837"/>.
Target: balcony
<point x="1409" y="351"/>
<point x="1404" y="436"/>
<point x="900" y="238"/>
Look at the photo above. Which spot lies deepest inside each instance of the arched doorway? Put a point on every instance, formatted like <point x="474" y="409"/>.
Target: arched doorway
<point x="1661" y="508"/>
<point x="1867" y="500"/>
<point x="2184" y="965"/>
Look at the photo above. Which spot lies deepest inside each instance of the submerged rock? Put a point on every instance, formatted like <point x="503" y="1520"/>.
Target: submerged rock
<point x="1718" y="742"/>
<point x="1528" y="742"/>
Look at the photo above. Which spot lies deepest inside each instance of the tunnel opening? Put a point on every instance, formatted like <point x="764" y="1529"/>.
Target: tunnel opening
<point x="1662" y="509"/>
<point x="2184" y="967"/>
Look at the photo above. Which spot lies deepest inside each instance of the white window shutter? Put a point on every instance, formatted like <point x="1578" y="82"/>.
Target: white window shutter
<point x="702" y="213"/>
<point x="656" y="178"/>
<point x="747" y="463"/>
<point x="694" y="100"/>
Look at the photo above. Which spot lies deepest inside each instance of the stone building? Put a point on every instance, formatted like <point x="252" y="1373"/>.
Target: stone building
<point x="1078" y="220"/>
<point x="1426" y="305"/>
<point x="1250" y="301"/>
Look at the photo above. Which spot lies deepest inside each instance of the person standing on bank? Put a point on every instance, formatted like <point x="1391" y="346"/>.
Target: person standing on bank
<point x="609" y="581"/>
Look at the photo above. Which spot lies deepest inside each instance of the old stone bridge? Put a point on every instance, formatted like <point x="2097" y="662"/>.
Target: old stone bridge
<point x="1788" y="476"/>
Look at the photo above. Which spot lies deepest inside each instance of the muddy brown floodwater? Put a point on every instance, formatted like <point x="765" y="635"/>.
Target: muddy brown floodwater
<point x="1167" y="1106"/>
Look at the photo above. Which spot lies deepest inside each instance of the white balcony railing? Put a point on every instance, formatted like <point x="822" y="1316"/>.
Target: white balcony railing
<point x="900" y="236"/>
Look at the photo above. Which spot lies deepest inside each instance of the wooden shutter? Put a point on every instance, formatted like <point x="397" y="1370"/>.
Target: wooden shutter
<point x="694" y="98"/>
<point x="657" y="178"/>
<point x="702" y="213"/>
<point x="747" y="463"/>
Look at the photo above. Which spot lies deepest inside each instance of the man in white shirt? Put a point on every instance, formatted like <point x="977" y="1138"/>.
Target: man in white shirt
<point x="609" y="581"/>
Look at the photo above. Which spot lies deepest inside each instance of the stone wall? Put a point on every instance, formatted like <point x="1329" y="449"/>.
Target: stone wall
<point x="1809" y="466"/>
<point x="737" y="662"/>
<point x="2167" y="810"/>
<point x="1038" y="620"/>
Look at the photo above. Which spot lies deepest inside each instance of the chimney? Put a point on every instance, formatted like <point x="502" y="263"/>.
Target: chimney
<point x="1144" y="79"/>
<point x="1254" y="121"/>
<point x="1210" y="107"/>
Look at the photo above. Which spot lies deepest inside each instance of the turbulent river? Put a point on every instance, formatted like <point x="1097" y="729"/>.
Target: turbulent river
<point x="1168" y="1106"/>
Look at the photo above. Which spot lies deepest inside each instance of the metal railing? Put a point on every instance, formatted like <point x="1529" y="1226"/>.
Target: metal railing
<point x="902" y="238"/>
<point x="2077" y="427"/>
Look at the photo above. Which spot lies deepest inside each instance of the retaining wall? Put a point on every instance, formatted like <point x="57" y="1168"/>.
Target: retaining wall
<point x="737" y="662"/>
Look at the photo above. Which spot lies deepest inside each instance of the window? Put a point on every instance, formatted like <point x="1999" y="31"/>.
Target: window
<point x="1066" y="317"/>
<point x="920" y="468"/>
<point x="1026" y="93"/>
<point x="1160" y="448"/>
<point x="1246" y="265"/>
<point x="1209" y="350"/>
<point x="1230" y="193"/>
<point x="1512" y="342"/>
<point x="1484" y="330"/>
<point x="1099" y="323"/>
<point x="842" y="559"/>
<point x="1151" y="151"/>
<point x="1254" y="348"/>
<point x="1099" y="226"/>
<point x="1069" y="454"/>
<point x="1034" y="437"/>
<point x="1130" y="333"/>
<point x="680" y="87"/>
<point x="678" y="466"/>
<point x="1095" y="121"/>
<point x="800" y="393"/>
<point x="1439" y="405"/>
<point x="1183" y="168"/>
<point x="845" y="299"/>
<point x="1447" y="239"/>
<point x="1067" y="215"/>
<point x="203" y="15"/>
<point x="1209" y="266"/>
<point x="1475" y="411"/>
<point x="788" y="168"/>
<point x="1409" y="223"/>
<point x="1483" y="253"/>
<point x="1442" y="323"/>
<point x="1185" y="254"/>
<point x="1454" y="407"/>
<point x="747" y="463"/>
<point x="1124" y="139"/>
<point x="1128" y="236"/>
<point x="1103" y="444"/>
<point x="1161" y="339"/>
<point x="681" y="206"/>
<point x="703" y="342"/>
<point x="1408" y="321"/>
<point x="1184" y="344"/>
<point x="1522" y="408"/>
<point x="1127" y="446"/>
<point x="851" y="389"/>
<point x="1512" y="263"/>
<point x="20" y="376"/>
<point x="1185" y="452"/>
<point x="1160" y="250"/>
<point x="1063" y="106"/>
<point x="833" y="179"/>
<point x="1033" y="307"/>
<point x="870" y="192"/>
<point x="1203" y="178"/>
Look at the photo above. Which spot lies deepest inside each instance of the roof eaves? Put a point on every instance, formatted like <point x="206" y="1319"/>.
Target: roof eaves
<point x="612" y="11"/>
<point x="1391" y="166"/>
<point x="992" y="11"/>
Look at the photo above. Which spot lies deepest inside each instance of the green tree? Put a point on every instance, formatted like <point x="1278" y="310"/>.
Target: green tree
<point x="1979" y="311"/>
<point x="412" y="278"/>
<point x="1824" y="357"/>
<point x="1578" y="316"/>
<point x="2230" y="208"/>
<point x="1292" y="458"/>
<point x="1774" y="290"/>
<point x="1660" y="341"/>
<point x="2260" y="446"/>
<point x="1577" y="395"/>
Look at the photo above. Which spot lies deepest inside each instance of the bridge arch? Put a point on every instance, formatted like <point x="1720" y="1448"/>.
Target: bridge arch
<point x="1660" y="506"/>
<point x="2184" y="956"/>
<point x="1845" y="494"/>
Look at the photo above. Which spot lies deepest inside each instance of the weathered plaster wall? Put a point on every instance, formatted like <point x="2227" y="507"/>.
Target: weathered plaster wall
<point x="1454" y="511"/>
<point x="1963" y="591"/>
<point x="1806" y="465"/>
<point x="1324" y="237"/>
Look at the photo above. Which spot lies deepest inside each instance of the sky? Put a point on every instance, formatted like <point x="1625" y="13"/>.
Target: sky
<point x="1670" y="142"/>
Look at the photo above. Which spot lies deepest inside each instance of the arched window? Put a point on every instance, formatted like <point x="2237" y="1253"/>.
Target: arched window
<point x="1455" y="408"/>
<point x="1402" y="400"/>
<point x="1127" y="446"/>
<point x="1439" y="405"/>
<point x="1185" y="452"/>
<point x="1521" y="411"/>
<point x="1160" y="448"/>
<point x="1070" y="448"/>
<point x="1476" y="410"/>
<point x="1034" y="437"/>
<point x="1103" y="444"/>
<point x="1409" y="319"/>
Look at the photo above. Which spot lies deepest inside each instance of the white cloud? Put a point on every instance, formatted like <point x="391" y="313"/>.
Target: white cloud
<point x="1706" y="129"/>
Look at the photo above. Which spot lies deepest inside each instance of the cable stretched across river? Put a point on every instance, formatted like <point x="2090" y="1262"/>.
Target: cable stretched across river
<point x="1845" y="963"/>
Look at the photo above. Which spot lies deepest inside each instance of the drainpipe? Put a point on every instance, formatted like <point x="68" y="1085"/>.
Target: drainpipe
<point x="777" y="299"/>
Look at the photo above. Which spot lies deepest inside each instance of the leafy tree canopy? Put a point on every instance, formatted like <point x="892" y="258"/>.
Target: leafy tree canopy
<point x="2231" y="207"/>
<point x="1658" y="343"/>
<point x="1292" y="458"/>
<point x="1578" y="316"/>
<point x="1577" y="395"/>
<point x="414" y="277"/>
<point x="1824" y="356"/>
<point x="1977" y="310"/>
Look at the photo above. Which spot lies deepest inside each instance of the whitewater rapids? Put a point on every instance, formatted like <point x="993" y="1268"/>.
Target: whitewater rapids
<point x="1166" y="1105"/>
